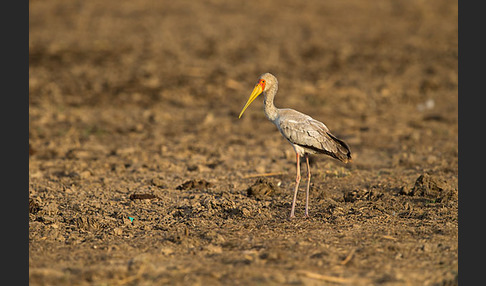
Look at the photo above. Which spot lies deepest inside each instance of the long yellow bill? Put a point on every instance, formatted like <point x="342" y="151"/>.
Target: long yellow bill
<point x="254" y="94"/>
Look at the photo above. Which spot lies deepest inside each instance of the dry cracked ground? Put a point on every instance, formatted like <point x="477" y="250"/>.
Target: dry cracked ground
<point x="141" y="173"/>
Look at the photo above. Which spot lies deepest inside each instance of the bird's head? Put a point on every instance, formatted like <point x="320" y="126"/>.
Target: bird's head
<point x="265" y="82"/>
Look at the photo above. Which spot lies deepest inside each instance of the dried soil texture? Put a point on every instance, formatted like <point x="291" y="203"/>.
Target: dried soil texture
<point x="141" y="173"/>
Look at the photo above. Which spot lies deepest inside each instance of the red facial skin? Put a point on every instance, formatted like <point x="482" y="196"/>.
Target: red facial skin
<point x="262" y="83"/>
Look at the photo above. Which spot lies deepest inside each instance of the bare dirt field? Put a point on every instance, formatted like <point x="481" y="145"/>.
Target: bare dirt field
<point x="141" y="173"/>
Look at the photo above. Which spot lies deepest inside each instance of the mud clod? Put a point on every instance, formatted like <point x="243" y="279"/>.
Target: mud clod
<point x="143" y="197"/>
<point x="261" y="189"/>
<point x="158" y="182"/>
<point x="195" y="185"/>
<point x="354" y="195"/>
<point x="432" y="188"/>
<point x="33" y="206"/>
<point x="87" y="223"/>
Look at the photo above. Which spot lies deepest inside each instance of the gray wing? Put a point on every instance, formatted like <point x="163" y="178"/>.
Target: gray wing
<point x="305" y="131"/>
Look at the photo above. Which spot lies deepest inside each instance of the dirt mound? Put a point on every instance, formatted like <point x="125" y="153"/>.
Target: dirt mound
<point x="432" y="188"/>
<point x="261" y="189"/>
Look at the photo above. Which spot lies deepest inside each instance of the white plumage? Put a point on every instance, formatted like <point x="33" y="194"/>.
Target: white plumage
<point x="305" y="134"/>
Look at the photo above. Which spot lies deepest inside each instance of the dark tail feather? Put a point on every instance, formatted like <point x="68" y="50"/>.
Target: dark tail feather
<point x="344" y="153"/>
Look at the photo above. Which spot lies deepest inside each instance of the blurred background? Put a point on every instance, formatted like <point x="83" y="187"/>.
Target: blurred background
<point x="364" y="62"/>
<point x="96" y="52"/>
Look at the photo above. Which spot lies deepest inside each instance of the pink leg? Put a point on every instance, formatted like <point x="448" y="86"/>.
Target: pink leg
<point x="308" y="186"/>
<point x="297" y="181"/>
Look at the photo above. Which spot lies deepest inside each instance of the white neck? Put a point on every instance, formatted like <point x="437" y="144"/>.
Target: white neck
<point x="268" y="107"/>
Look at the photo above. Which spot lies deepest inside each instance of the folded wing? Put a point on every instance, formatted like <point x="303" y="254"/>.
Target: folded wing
<point x="312" y="135"/>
